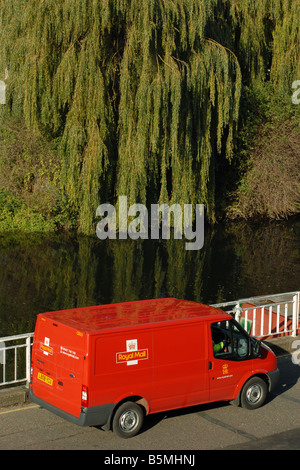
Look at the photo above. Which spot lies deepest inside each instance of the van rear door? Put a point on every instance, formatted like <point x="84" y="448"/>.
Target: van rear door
<point x="58" y="363"/>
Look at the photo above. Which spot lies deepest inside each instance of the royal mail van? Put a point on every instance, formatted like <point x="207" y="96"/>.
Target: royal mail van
<point x="111" y="365"/>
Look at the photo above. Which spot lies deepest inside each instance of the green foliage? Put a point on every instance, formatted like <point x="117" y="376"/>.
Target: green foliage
<point x="142" y="95"/>
<point x="269" y="144"/>
<point x="286" y="44"/>
<point x="16" y="216"/>
<point x="29" y="180"/>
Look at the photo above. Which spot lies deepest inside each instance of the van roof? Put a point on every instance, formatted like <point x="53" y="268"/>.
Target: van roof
<point x="128" y="314"/>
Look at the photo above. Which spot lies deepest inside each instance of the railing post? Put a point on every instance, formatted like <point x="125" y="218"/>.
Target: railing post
<point x="28" y="360"/>
<point x="295" y="319"/>
<point x="237" y="312"/>
<point x="2" y="352"/>
<point x="3" y="359"/>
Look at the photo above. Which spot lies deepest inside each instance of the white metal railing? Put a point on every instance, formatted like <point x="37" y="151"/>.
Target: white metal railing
<point x="263" y="317"/>
<point x="15" y="355"/>
<point x="267" y="316"/>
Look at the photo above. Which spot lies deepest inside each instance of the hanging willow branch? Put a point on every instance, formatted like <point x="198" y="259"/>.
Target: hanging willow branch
<point x="143" y="95"/>
<point x="176" y="96"/>
<point x="286" y="49"/>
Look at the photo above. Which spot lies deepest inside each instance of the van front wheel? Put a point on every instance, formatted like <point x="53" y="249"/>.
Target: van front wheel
<point x="254" y="393"/>
<point x="128" y="420"/>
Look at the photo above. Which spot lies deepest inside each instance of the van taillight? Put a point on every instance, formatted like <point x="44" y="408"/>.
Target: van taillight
<point x="31" y="372"/>
<point x="84" y="396"/>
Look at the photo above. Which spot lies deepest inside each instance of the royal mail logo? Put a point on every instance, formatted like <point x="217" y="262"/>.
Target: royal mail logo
<point x="132" y="355"/>
<point x="45" y="347"/>
<point x="225" y="369"/>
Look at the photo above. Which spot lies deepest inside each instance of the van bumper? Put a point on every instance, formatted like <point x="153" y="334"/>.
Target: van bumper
<point x="89" y="416"/>
<point x="273" y="377"/>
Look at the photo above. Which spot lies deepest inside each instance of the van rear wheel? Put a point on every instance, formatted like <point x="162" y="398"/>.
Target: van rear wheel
<point x="128" y="420"/>
<point x="254" y="393"/>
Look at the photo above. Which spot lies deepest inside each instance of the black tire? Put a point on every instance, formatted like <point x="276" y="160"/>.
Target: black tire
<point x="128" y="420"/>
<point x="254" y="393"/>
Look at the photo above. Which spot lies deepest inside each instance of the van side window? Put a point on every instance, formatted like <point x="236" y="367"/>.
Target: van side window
<point x="230" y="340"/>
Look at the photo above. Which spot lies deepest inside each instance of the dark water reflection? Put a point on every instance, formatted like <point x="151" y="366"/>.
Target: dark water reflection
<point x="41" y="273"/>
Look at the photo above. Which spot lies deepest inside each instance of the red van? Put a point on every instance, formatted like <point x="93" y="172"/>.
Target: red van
<point x="112" y="365"/>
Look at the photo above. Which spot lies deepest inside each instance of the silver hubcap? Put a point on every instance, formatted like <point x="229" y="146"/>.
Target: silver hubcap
<point x="254" y="393"/>
<point x="128" y="421"/>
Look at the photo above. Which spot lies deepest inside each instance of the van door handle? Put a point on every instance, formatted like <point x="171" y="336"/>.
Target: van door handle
<point x="209" y="365"/>
<point x="72" y="375"/>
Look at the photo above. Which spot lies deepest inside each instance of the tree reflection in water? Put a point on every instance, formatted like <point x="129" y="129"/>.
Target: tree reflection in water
<point x="42" y="273"/>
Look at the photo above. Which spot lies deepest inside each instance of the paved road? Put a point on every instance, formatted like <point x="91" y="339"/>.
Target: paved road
<point x="219" y="426"/>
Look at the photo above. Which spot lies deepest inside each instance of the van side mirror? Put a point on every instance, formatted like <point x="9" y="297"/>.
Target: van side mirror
<point x="256" y="348"/>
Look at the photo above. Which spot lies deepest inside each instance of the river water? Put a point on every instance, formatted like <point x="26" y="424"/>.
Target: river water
<point x="41" y="273"/>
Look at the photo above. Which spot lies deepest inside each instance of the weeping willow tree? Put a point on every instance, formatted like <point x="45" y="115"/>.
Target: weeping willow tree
<point x="286" y="47"/>
<point x="142" y="95"/>
<point x="179" y="93"/>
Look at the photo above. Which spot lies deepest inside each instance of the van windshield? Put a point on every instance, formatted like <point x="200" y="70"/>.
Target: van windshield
<point x="230" y="340"/>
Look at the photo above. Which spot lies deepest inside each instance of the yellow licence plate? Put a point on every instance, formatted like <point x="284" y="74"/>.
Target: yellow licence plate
<point x="45" y="378"/>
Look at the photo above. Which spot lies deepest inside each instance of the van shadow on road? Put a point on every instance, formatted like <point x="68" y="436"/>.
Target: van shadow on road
<point x="289" y="376"/>
<point x="153" y="420"/>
